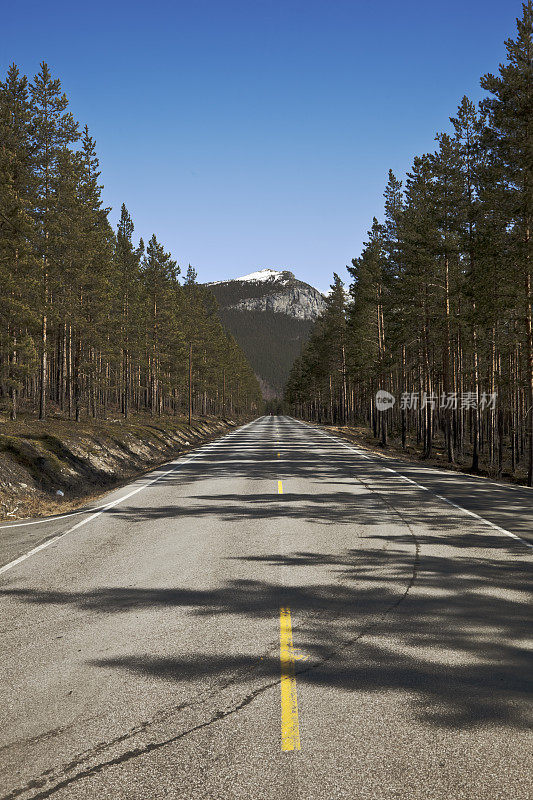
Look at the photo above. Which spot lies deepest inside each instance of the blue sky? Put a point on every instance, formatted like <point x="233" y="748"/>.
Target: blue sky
<point x="252" y="134"/>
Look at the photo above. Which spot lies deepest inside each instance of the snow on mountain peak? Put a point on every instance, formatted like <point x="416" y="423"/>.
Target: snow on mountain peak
<point x="261" y="275"/>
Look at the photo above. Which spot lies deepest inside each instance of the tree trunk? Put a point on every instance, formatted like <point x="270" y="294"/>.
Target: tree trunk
<point x="44" y="367"/>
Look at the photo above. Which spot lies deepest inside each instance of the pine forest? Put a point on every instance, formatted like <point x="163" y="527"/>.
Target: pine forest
<point x="91" y="321"/>
<point x="438" y="313"/>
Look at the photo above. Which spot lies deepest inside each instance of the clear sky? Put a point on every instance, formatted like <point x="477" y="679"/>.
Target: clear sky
<point x="259" y="133"/>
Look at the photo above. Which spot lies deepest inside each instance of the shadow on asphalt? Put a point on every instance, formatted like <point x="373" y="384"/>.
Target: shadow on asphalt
<point x="509" y="507"/>
<point x="454" y="639"/>
<point x="447" y="627"/>
<point x="334" y="508"/>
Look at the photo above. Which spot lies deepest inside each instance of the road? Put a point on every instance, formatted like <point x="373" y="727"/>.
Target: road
<point x="277" y="615"/>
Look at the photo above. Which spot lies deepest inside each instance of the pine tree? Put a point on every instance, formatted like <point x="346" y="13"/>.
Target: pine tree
<point x="127" y="261"/>
<point x="66" y="260"/>
<point x="366" y="319"/>
<point x="510" y="138"/>
<point x="159" y="272"/>
<point x="97" y="273"/>
<point x="449" y="194"/>
<point x="191" y="276"/>
<point x="468" y="127"/>
<point x="17" y="263"/>
<point x="54" y="128"/>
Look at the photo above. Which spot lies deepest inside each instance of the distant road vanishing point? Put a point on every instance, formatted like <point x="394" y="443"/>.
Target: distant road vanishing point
<point x="278" y="614"/>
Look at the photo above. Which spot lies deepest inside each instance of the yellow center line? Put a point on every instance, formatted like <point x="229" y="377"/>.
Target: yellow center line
<point x="280" y="487"/>
<point x="290" y="730"/>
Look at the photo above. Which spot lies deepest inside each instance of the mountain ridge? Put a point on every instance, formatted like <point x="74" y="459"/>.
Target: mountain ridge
<point x="271" y="314"/>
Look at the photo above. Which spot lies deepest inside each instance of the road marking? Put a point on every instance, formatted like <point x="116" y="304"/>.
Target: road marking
<point x="290" y="730"/>
<point x="60" y="517"/>
<point x="114" y="503"/>
<point x="424" y="488"/>
<point x="280" y="487"/>
<point x="176" y="464"/>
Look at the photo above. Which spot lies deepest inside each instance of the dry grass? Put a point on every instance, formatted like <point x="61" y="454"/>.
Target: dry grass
<point x="82" y="460"/>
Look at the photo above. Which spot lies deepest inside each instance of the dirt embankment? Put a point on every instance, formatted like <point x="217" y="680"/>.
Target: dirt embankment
<point x="56" y="465"/>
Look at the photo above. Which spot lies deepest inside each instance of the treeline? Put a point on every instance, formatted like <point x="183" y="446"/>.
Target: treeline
<point x="439" y="313"/>
<point x="90" y="320"/>
<point x="270" y="340"/>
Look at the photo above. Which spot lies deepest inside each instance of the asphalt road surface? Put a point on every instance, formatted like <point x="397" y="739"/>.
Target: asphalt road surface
<point x="277" y="615"/>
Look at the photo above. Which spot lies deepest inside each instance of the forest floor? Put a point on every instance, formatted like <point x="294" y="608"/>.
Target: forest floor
<point x="413" y="452"/>
<point x="57" y="465"/>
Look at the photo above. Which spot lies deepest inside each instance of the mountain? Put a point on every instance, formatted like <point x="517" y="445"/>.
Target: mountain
<point x="270" y="313"/>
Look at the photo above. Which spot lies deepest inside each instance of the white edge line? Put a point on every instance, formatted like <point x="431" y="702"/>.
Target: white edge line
<point x="114" y="503"/>
<point x="196" y="449"/>
<point x="424" y="488"/>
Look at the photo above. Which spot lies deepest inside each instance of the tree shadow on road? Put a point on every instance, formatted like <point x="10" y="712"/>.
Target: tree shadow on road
<point x="448" y="631"/>
<point x="364" y="484"/>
